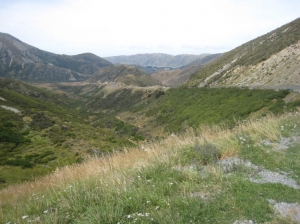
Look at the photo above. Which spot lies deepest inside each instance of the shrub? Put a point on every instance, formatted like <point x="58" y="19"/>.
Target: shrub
<point x="209" y="152"/>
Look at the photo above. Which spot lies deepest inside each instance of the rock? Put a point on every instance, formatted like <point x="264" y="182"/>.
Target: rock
<point x="266" y="176"/>
<point x="244" y="222"/>
<point x="287" y="210"/>
<point x="230" y="163"/>
<point x="64" y="128"/>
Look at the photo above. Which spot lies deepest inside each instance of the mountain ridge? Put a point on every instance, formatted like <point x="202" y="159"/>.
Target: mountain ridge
<point x="155" y="59"/>
<point x="255" y="63"/>
<point x="25" y="62"/>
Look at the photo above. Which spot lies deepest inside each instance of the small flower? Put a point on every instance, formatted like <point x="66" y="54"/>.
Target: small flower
<point x="170" y="183"/>
<point x="24" y="216"/>
<point x="148" y="202"/>
<point x="46" y="211"/>
<point x="128" y="216"/>
<point x="147" y="214"/>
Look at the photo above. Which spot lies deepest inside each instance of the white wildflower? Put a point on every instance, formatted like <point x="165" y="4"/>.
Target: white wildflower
<point x="24" y="216"/>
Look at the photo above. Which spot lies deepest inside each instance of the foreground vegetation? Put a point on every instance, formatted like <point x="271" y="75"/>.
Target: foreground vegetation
<point x="174" y="180"/>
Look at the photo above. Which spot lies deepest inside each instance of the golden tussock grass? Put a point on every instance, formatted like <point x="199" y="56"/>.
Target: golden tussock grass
<point x="112" y="167"/>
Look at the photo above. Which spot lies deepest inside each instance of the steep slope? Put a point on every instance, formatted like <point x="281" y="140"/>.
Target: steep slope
<point x="176" y="77"/>
<point x="42" y="130"/>
<point x="123" y="74"/>
<point x="271" y="61"/>
<point x="155" y="60"/>
<point x="22" y="61"/>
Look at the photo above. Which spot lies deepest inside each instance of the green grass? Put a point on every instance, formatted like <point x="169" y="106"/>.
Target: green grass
<point x="176" y="184"/>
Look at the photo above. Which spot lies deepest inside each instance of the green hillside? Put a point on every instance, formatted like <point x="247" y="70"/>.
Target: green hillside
<point x="46" y="131"/>
<point x="157" y="112"/>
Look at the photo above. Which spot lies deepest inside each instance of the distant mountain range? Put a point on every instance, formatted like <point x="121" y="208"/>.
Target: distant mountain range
<point x="25" y="62"/>
<point x="156" y="59"/>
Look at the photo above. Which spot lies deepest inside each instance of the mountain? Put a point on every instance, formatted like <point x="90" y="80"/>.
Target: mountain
<point x="22" y="61"/>
<point x="155" y="60"/>
<point x="178" y="76"/>
<point x="269" y="61"/>
<point x="128" y="75"/>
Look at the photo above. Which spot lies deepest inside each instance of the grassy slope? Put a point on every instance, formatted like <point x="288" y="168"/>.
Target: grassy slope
<point x="47" y="133"/>
<point x="168" y="181"/>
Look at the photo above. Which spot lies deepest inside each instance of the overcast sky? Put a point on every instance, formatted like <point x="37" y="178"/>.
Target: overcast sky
<point x="124" y="27"/>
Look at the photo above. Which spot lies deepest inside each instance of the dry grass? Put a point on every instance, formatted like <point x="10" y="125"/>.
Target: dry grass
<point x="112" y="167"/>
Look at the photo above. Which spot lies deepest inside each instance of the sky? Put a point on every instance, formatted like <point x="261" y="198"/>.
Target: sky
<point x="126" y="27"/>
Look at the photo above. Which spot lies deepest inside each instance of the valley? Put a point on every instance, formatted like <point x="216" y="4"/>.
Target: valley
<point x="81" y="134"/>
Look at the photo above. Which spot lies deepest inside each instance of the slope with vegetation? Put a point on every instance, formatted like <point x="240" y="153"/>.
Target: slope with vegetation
<point x="152" y="154"/>
<point x="210" y="175"/>
<point x="270" y="60"/>
<point x="41" y="130"/>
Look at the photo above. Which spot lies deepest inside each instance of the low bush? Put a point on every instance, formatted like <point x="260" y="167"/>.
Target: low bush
<point x="209" y="152"/>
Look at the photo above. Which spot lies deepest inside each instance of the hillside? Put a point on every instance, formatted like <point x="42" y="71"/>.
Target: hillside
<point x="269" y="61"/>
<point x="248" y="174"/>
<point x="157" y="111"/>
<point x="118" y="148"/>
<point x="22" y="61"/>
<point x="155" y="60"/>
<point x="122" y="74"/>
<point x="178" y="76"/>
<point x="42" y="130"/>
